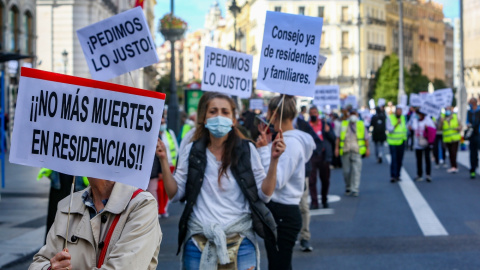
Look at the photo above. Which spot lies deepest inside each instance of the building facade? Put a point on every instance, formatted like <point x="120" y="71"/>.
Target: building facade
<point x="18" y="35"/>
<point x="449" y="52"/>
<point x="471" y="36"/>
<point x="61" y="51"/>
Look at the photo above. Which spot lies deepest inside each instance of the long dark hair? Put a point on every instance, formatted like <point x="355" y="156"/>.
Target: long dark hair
<point x="234" y="136"/>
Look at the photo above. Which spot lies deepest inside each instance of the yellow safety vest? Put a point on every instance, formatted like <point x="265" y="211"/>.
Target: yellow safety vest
<point x="171" y="146"/>
<point x="399" y="134"/>
<point x="362" y="149"/>
<point x="450" y="130"/>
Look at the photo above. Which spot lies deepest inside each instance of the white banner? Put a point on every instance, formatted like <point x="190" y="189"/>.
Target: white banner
<point x="256" y="104"/>
<point x="415" y="100"/>
<point x="289" y="55"/>
<point x="327" y="95"/>
<point x="446" y="95"/>
<point x="371" y="104"/>
<point x="117" y="45"/>
<point x="227" y="72"/>
<point x="87" y="128"/>
<point x="381" y="102"/>
<point x="430" y="107"/>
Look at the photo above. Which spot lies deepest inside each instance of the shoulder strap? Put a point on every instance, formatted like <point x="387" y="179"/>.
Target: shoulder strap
<point x="110" y="232"/>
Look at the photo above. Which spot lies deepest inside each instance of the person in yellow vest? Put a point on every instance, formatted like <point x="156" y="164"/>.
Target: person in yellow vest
<point x="396" y="137"/>
<point x="451" y="137"/>
<point x="155" y="185"/>
<point x="351" y="146"/>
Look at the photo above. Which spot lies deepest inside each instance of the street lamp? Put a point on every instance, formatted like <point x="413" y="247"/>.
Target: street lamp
<point x="235" y="9"/>
<point x="65" y="61"/>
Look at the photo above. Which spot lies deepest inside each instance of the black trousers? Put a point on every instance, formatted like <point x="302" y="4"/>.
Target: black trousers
<point x="473" y="153"/>
<point x="289" y="223"/>
<point x="323" y="167"/>
<point x="428" y="164"/>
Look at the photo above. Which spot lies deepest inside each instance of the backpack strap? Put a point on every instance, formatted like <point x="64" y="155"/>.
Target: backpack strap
<point x="110" y="232"/>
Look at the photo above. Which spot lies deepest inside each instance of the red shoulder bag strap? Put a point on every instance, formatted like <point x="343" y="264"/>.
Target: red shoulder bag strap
<point x="110" y="232"/>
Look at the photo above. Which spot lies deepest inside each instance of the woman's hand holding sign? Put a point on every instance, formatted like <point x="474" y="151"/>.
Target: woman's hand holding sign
<point x="61" y="261"/>
<point x="168" y="182"/>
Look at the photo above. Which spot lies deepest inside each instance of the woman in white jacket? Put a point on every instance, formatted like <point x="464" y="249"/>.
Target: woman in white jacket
<point x="290" y="185"/>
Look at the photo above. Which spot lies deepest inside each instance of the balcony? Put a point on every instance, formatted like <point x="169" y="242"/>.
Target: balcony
<point x="346" y="49"/>
<point x="376" y="47"/>
<point x="371" y="20"/>
<point x="325" y="50"/>
<point x="433" y="39"/>
<point x="347" y="21"/>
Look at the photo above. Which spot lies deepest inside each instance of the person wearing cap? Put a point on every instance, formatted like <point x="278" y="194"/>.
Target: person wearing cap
<point x="451" y="137"/>
<point x="397" y="135"/>
<point x="351" y="146"/>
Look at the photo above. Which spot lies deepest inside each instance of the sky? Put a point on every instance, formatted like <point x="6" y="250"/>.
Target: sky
<point x="194" y="11"/>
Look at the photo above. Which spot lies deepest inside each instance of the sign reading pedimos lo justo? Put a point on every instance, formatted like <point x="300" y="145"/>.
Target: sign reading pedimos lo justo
<point x="227" y="72"/>
<point x="84" y="127"/>
<point x="117" y="45"/>
<point x="289" y="55"/>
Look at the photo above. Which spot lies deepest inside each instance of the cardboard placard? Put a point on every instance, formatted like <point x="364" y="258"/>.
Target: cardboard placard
<point x="289" y="55"/>
<point x="227" y="72"/>
<point x="351" y="100"/>
<point x="381" y="102"/>
<point x="371" y="103"/>
<point x="87" y="128"/>
<point x="117" y="45"/>
<point x="321" y="62"/>
<point x="415" y="100"/>
<point x="446" y="95"/>
<point x="430" y="107"/>
<point x="327" y="95"/>
<point x="256" y="104"/>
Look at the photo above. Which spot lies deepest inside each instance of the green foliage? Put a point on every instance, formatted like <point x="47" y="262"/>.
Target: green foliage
<point x="439" y="84"/>
<point x="388" y="77"/>
<point x="419" y="82"/>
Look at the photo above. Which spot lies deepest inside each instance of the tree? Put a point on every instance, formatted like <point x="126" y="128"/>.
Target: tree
<point x="387" y="81"/>
<point x="419" y="81"/>
<point x="164" y="86"/>
<point x="439" y="84"/>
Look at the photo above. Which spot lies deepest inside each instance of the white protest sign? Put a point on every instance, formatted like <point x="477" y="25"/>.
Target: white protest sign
<point x="321" y="62"/>
<point x="415" y="100"/>
<point x="371" y="103"/>
<point x="403" y="100"/>
<point x="430" y="107"/>
<point x="438" y="98"/>
<point x="87" y="128"/>
<point x="447" y="96"/>
<point x="327" y="95"/>
<point x="381" y="102"/>
<point x="256" y="104"/>
<point x="351" y="100"/>
<point x="289" y="55"/>
<point x="117" y="45"/>
<point x="227" y="72"/>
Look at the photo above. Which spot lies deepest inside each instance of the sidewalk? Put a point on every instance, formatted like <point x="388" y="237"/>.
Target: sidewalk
<point x="23" y="213"/>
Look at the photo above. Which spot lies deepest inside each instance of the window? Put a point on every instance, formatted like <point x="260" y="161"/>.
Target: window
<point x="278" y="9"/>
<point x="321" y="11"/>
<point x="13" y="27"/>
<point x="301" y="10"/>
<point x="345" y="66"/>
<point x="344" y="39"/>
<point x="28" y="33"/>
<point x="344" y="14"/>
<point x="322" y="41"/>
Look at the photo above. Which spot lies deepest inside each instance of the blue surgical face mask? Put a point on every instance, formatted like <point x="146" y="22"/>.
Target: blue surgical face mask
<point x="163" y="127"/>
<point x="448" y="113"/>
<point x="219" y="126"/>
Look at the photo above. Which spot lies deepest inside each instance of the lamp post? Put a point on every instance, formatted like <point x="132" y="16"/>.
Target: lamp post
<point x="65" y="61"/>
<point x="401" y="76"/>
<point x="462" y="92"/>
<point x="235" y="9"/>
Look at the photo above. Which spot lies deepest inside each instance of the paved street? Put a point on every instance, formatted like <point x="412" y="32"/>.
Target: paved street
<point x="406" y="225"/>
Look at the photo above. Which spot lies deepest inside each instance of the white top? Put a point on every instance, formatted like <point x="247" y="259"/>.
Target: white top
<point x="291" y="166"/>
<point x="419" y="128"/>
<point x="187" y="139"/>
<point x="219" y="204"/>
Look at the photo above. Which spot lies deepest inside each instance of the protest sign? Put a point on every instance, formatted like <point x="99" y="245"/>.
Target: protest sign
<point x="415" y="100"/>
<point x="446" y="95"/>
<point x="403" y="100"/>
<point x="381" y="102"/>
<point x="371" y="103"/>
<point x="289" y="55"/>
<point x="256" y="104"/>
<point x="321" y="62"/>
<point x="351" y="100"/>
<point x="430" y="107"/>
<point x="327" y="95"/>
<point x="228" y="72"/>
<point x="87" y="128"/>
<point x="117" y="45"/>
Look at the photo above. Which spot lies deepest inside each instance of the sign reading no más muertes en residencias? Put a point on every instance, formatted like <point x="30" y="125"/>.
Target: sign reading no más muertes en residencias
<point x="227" y="72"/>
<point x="289" y="55"/>
<point x="84" y="127"/>
<point x="117" y="45"/>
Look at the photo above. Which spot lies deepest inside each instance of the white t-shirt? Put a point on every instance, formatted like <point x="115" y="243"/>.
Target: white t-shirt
<point x="419" y="128"/>
<point x="219" y="204"/>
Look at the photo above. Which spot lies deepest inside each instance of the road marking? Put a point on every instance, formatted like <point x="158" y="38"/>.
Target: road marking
<point x="322" y="212"/>
<point x="426" y="218"/>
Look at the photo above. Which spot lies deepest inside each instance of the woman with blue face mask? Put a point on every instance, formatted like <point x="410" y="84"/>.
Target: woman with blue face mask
<point x="225" y="187"/>
<point x="451" y="136"/>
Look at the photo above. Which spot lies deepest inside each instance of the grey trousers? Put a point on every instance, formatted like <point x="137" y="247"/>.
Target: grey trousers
<point x="305" y="211"/>
<point x="352" y="170"/>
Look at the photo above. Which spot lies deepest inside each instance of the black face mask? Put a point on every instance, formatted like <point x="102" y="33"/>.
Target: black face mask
<point x="313" y="118"/>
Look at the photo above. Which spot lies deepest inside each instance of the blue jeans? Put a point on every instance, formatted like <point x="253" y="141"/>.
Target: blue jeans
<point x="396" y="152"/>
<point x="247" y="256"/>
